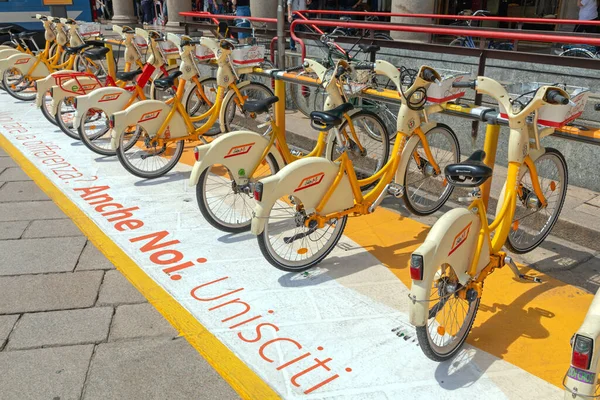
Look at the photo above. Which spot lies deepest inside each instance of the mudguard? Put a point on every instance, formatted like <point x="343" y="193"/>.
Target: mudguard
<point x="228" y="96"/>
<point x="150" y="115"/>
<point x="5" y="47"/>
<point x="308" y="180"/>
<point x="6" y="51"/>
<point x="43" y="85"/>
<point x="452" y="240"/>
<point x="83" y="84"/>
<point x="239" y="151"/>
<point x="108" y="99"/>
<point x="24" y="62"/>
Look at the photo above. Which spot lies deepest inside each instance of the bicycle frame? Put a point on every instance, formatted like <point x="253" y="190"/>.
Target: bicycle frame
<point x="461" y="237"/>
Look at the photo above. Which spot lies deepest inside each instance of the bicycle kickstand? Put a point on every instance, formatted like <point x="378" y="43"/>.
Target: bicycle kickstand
<point x="513" y="267"/>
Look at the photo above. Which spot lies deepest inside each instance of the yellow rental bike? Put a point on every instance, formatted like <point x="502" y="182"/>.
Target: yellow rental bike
<point x="161" y="129"/>
<point x="228" y="168"/>
<point x="303" y="208"/>
<point x="462" y="249"/>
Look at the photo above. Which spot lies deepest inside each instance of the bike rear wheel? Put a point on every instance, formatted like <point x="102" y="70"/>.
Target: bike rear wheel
<point x="224" y="204"/>
<point x="425" y="192"/>
<point x="533" y="223"/>
<point x="289" y="245"/>
<point x="577" y="52"/>
<point x="65" y="116"/>
<point x="450" y="318"/>
<point x="18" y="86"/>
<point x="47" y="108"/>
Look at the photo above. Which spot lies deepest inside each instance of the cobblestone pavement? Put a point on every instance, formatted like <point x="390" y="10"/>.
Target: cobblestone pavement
<point x="71" y="326"/>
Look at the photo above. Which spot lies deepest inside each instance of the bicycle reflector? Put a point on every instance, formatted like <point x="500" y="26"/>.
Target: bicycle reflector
<point x="52" y="92"/>
<point x="416" y="267"/>
<point x="75" y="102"/>
<point x="111" y="122"/>
<point x="582" y="352"/>
<point x="196" y="155"/>
<point x="258" y="191"/>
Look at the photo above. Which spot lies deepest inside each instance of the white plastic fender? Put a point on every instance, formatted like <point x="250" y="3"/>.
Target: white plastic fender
<point x="43" y="85"/>
<point x="5" y="47"/>
<point x="108" y="99"/>
<point x="82" y="84"/>
<point x="590" y="329"/>
<point x="308" y="180"/>
<point x="23" y="62"/>
<point x="240" y="150"/>
<point x="6" y="51"/>
<point x="452" y="240"/>
<point x="150" y="115"/>
<point x="406" y="155"/>
<point x="228" y="95"/>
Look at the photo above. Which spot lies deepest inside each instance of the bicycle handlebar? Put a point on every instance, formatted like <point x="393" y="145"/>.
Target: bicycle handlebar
<point x="428" y="75"/>
<point x="555" y="97"/>
<point x="466" y="84"/>
<point x="296" y="68"/>
<point x="364" y="66"/>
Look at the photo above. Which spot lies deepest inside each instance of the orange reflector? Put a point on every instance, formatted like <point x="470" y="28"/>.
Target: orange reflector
<point x="303" y="250"/>
<point x="93" y="127"/>
<point x="445" y="183"/>
<point x="515" y="225"/>
<point x="553" y="186"/>
<point x="441" y="330"/>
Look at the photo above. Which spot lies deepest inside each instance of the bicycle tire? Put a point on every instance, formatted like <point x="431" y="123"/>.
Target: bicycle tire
<point x="17" y="94"/>
<point x="46" y="109"/>
<point x="209" y="214"/>
<point x="458" y="42"/>
<point x="63" y="125"/>
<point x="235" y="118"/>
<point x="382" y="36"/>
<point x="408" y="197"/>
<point x="577" y="52"/>
<point x="512" y="243"/>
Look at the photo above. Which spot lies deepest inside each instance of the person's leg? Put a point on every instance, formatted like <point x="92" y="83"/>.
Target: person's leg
<point x="243" y="11"/>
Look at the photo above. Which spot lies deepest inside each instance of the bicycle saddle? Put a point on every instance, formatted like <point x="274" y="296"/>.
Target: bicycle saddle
<point x="76" y="49"/>
<point x="128" y="76"/>
<point x="168" y="82"/>
<point x="96" y="53"/>
<point x="6" y="29"/>
<point x="260" y="106"/>
<point x="325" y="120"/>
<point x="128" y="29"/>
<point x="369" y="48"/>
<point x="27" y="34"/>
<point x="470" y="173"/>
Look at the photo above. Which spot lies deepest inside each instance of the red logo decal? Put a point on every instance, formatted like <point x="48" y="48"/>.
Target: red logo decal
<point x="22" y="61"/>
<point x="310" y="181"/>
<point x="239" y="150"/>
<point x="109" y="97"/>
<point x="460" y="238"/>
<point x="90" y="86"/>
<point x="150" y="115"/>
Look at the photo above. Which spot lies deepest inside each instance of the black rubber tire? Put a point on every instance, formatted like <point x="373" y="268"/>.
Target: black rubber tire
<point x="18" y="94"/>
<point x="88" y="142"/>
<point x="69" y="131"/>
<point x="268" y="93"/>
<point x="208" y="216"/>
<point x="510" y="243"/>
<point x="407" y="202"/>
<point x="150" y="175"/>
<point x="51" y="118"/>
<point x="575" y="52"/>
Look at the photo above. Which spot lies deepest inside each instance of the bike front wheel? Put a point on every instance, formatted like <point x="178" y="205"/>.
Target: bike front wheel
<point x="450" y="317"/>
<point x="47" y="108"/>
<point x="289" y="244"/>
<point x="147" y="158"/>
<point x="226" y="205"/>
<point x="426" y="191"/>
<point x="533" y="222"/>
<point x="65" y="115"/>
<point x="236" y="118"/>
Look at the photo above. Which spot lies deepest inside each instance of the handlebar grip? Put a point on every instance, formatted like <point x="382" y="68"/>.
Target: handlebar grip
<point x="428" y="75"/>
<point x="296" y="68"/>
<point x="465" y="84"/>
<point x="339" y="71"/>
<point x="554" y="97"/>
<point x="364" y="66"/>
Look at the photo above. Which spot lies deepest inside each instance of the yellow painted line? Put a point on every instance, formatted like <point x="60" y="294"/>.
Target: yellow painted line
<point x="526" y="324"/>
<point x="241" y="378"/>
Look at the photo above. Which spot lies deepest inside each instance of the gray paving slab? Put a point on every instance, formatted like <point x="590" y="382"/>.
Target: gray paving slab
<point x="7" y="162"/>
<point x="137" y="370"/>
<point x="3" y="153"/>
<point x="139" y="320"/>
<point x="594" y="202"/>
<point x="28" y="293"/>
<point x="35" y="256"/>
<point x="61" y="328"/>
<point x="116" y="289"/>
<point x="12" y="229"/>
<point x="7" y="322"/>
<point x="13" y="174"/>
<point x="92" y="259"/>
<point x="52" y="373"/>
<point x="21" y="191"/>
<point x="52" y="228"/>
<point x="30" y="210"/>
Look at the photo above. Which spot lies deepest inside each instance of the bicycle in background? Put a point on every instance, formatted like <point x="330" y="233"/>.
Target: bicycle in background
<point x="467" y="41"/>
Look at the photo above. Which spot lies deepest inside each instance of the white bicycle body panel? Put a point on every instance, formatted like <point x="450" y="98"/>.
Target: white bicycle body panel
<point x="108" y="99"/>
<point x="44" y="84"/>
<point x="452" y="240"/>
<point x="7" y="51"/>
<point x="150" y="115"/>
<point x="590" y="328"/>
<point x="239" y="150"/>
<point x="82" y="83"/>
<point x="61" y="35"/>
<point x="132" y="53"/>
<point x="308" y="180"/>
<point x="23" y="62"/>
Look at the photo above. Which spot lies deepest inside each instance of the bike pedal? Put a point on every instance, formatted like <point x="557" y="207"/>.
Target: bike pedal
<point x="396" y="190"/>
<point x="530" y="278"/>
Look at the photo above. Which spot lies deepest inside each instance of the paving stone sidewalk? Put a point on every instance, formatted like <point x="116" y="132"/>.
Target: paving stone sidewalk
<point x="71" y="326"/>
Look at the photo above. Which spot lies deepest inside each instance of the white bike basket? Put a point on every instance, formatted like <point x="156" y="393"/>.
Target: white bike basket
<point x="248" y="56"/>
<point x="168" y="50"/>
<point x="140" y="42"/>
<point x="203" y="53"/>
<point x="550" y="115"/>
<point x="444" y="92"/>
<point x="89" y="29"/>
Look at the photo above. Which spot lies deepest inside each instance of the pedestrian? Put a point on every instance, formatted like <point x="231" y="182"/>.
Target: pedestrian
<point x="295" y="5"/>
<point x="147" y="12"/>
<point x="242" y="9"/>
<point x="588" y="11"/>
